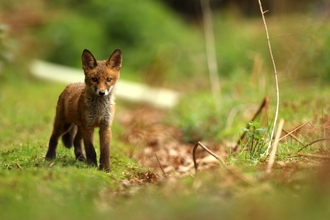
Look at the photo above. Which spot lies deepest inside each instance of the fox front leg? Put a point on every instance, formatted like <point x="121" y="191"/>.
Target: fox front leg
<point x="87" y="135"/>
<point x="105" y="138"/>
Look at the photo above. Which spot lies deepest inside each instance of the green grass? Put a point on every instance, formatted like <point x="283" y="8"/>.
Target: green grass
<point x="32" y="188"/>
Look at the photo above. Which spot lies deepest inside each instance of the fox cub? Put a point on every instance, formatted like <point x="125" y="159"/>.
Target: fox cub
<point x="83" y="106"/>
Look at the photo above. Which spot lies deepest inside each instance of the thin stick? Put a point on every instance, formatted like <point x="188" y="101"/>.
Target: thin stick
<point x="262" y="106"/>
<point x="291" y="135"/>
<point x="274" y="149"/>
<point x="275" y="76"/>
<point x="209" y="151"/>
<point x="161" y="167"/>
<point x="246" y="179"/>
<point x="296" y="129"/>
<point x="313" y="142"/>
<point x="19" y="166"/>
<point x="314" y="155"/>
<point x="210" y="51"/>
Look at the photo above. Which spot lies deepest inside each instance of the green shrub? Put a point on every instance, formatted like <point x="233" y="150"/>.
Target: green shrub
<point x="148" y="33"/>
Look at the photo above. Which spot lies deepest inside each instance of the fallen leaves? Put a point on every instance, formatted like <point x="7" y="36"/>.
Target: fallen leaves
<point x="160" y="146"/>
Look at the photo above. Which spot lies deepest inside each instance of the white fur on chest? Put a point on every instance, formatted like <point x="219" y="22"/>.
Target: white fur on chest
<point x="98" y="112"/>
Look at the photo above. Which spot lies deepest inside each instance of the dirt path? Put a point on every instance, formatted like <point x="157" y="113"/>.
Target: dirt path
<point x="160" y="146"/>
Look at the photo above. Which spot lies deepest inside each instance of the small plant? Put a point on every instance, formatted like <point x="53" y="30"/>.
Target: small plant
<point x="256" y="143"/>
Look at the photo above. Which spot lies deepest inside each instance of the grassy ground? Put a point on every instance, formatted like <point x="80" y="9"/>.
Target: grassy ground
<point x="37" y="187"/>
<point x="297" y="188"/>
<point x="33" y="188"/>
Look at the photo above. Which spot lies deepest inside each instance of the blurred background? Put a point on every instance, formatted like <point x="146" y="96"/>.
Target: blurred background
<point x="163" y="45"/>
<point x="163" y="40"/>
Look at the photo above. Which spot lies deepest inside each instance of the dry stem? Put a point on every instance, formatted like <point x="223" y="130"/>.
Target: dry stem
<point x="292" y="135"/>
<point x="209" y="151"/>
<point x="275" y="76"/>
<point x="160" y="165"/>
<point x="235" y="172"/>
<point x="273" y="153"/>
<point x="210" y="51"/>
<point x="19" y="166"/>
<point x="314" y="156"/>
<point x="313" y="142"/>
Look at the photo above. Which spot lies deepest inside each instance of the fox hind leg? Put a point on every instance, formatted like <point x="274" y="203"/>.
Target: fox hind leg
<point x="68" y="137"/>
<point x="77" y="142"/>
<point x="51" y="153"/>
<point x="58" y="130"/>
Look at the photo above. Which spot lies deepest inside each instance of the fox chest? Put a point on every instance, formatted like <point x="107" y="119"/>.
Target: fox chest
<point x="98" y="113"/>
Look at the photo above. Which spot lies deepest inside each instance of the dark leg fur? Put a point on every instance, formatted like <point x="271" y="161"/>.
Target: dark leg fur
<point x="51" y="153"/>
<point x="77" y="142"/>
<point x="90" y="154"/>
<point x="89" y="147"/>
<point x="53" y="141"/>
<point x="67" y="138"/>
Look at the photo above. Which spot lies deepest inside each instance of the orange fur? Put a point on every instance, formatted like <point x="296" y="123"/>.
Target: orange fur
<point x="83" y="106"/>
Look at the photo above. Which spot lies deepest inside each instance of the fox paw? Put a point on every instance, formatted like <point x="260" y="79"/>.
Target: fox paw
<point x="50" y="156"/>
<point x="80" y="157"/>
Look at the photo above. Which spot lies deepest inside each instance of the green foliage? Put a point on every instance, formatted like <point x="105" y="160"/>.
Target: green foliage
<point x="147" y="32"/>
<point x="198" y="118"/>
<point x="317" y="52"/>
<point x="301" y="44"/>
<point x="238" y="41"/>
<point x="256" y="143"/>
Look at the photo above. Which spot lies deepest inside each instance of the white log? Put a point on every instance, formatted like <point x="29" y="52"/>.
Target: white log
<point x="130" y="91"/>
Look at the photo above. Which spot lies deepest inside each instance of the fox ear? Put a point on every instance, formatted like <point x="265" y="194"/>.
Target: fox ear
<point x="115" y="60"/>
<point x="88" y="60"/>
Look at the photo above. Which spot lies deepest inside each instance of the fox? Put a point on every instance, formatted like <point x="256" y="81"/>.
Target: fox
<point x="84" y="106"/>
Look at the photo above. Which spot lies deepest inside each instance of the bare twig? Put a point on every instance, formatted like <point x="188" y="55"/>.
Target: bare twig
<point x="160" y="165"/>
<point x="209" y="151"/>
<point x="313" y="142"/>
<point x="210" y="51"/>
<point x="291" y="135"/>
<point x="275" y="76"/>
<point x="264" y="105"/>
<point x="314" y="155"/>
<point x="273" y="152"/>
<point x="235" y="172"/>
<point x="19" y="166"/>
<point x="296" y="129"/>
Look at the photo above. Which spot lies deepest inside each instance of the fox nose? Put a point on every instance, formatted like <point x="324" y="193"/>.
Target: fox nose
<point x="101" y="93"/>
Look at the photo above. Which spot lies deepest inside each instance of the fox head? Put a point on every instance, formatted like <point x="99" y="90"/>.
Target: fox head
<point x="101" y="76"/>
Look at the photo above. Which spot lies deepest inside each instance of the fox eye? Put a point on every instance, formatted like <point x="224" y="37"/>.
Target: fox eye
<point x="94" y="79"/>
<point x="109" y="79"/>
